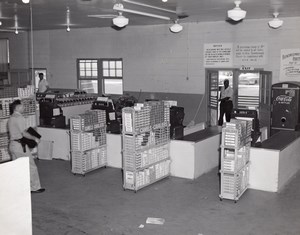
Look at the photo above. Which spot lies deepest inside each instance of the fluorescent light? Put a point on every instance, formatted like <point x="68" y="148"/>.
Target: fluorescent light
<point x="275" y="23"/>
<point x="176" y="28"/>
<point x="236" y="13"/>
<point x="25" y="1"/>
<point x="119" y="8"/>
<point x="68" y="29"/>
<point x="0" y="22"/>
<point x="120" y="20"/>
<point x="16" y="32"/>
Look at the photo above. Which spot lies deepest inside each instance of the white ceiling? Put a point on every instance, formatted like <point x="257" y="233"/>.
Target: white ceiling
<point x="51" y="14"/>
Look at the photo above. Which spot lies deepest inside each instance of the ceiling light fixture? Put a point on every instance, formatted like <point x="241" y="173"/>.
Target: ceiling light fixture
<point x="25" y="1"/>
<point x="275" y="23"/>
<point x="16" y="31"/>
<point x="68" y="28"/>
<point x="164" y="0"/>
<point x="120" y="21"/>
<point x="0" y="22"/>
<point x="119" y="7"/>
<point x="176" y="28"/>
<point x="236" y="13"/>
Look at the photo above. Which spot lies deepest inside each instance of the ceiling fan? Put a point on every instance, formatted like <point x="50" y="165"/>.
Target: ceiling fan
<point x="16" y="29"/>
<point x="121" y="21"/>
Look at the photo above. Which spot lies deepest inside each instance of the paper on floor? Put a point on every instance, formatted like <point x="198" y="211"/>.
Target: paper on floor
<point x="151" y="220"/>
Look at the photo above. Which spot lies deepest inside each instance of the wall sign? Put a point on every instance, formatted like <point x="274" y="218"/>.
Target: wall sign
<point x="250" y="53"/>
<point x="290" y="65"/>
<point x="218" y="55"/>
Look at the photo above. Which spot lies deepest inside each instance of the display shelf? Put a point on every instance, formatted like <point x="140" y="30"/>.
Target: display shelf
<point x="235" y="152"/>
<point x="234" y="185"/>
<point x="135" y="180"/>
<point x="146" y="137"/>
<point x="88" y="141"/>
<point x="84" y="162"/>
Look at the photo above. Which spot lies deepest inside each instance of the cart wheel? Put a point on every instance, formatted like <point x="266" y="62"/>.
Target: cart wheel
<point x="104" y="166"/>
<point x="124" y="189"/>
<point x="135" y="191"/>
<point x="235" y="201"/>
<point x="221" y="199"/>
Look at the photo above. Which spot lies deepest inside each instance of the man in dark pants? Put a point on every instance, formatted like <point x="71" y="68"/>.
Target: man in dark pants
<point x="226" y="105"/>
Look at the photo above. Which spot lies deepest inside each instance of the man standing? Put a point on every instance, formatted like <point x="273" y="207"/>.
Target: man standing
<point x="43" y="84"/>
<point x="16" y="128"/>
<point x="226" y="105"/>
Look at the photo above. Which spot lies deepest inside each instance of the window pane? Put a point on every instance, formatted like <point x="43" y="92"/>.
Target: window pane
<point x="90" y="86"/>
<point x="88" y="66"/>
<point x="118" y="64"/>
<point x="82" y="73"/>
<point x="112" y="64"/>
<point x="119" y="73"/>
<point x="81" y="65"/>
<point x="88" y="73"/>
<point x="94" y="66"/>
<point x="112" y="73"/>
<point x="95" y="73"/>
<point x="113" y="86"/>
<point x="105" y="64"/>
<point x="105" y="73"/>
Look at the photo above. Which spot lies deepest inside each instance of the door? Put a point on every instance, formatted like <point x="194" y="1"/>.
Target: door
<point x="265" y="83"/>
<point x="212" y="81"/>
<point x="248" y="89"/>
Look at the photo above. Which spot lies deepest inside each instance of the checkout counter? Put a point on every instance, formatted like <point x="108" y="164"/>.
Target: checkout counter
<point x="275" y="162"/>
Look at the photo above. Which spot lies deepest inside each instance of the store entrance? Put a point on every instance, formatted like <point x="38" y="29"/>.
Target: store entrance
<point x="252" y="90"/>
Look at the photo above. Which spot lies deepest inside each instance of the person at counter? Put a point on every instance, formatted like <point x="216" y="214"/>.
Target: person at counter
<point x="17" y="149"/>
<point x="43" y="84"/>
<point x="226" y="105"/>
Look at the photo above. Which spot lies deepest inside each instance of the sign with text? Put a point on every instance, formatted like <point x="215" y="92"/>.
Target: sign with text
<point x="218" y="55"/>
<point x="250" y="53"/>
<point x="290" y="65"/>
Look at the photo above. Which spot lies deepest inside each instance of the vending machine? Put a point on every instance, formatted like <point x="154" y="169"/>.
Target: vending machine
<point x="285" y="106"/>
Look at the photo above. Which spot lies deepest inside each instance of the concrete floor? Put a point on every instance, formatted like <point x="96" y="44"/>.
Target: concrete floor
<point x="97" y="205"/>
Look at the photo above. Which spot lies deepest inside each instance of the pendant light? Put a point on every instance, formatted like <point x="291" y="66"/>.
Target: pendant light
<point x="176" y="28"/>
<point x="236" y="13"/>
<point x="275" y="23"/>
<point x="120" y="21"/>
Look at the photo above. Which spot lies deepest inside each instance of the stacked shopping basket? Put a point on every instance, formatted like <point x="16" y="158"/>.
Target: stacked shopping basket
<point x="235" y="150"/>
<point x="88" y="141"/>
<point x="146" y="137"/>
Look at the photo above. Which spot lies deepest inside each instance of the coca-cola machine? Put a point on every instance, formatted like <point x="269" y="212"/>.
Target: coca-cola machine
<point x="285" y="106"/>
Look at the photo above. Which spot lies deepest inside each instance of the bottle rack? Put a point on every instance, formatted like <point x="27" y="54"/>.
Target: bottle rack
<point x="235" y="150"/>
<point x="88" y="141"/>
<point x="146" y="137"/>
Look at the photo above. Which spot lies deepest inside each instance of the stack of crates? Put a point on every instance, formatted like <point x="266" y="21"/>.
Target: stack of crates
<point x="88" y="141"/>
<point x="235" y="151"/>
<point x="4" y="140"/>
<point x="146" y="137"/>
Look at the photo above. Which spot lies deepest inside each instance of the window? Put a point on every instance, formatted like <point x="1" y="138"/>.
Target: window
<point x="88" y="75"/>
<point x="112" y="72"/>
<point x="101" y="76"/>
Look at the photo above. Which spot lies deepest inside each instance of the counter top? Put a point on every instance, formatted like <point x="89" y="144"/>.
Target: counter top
<point x="280" y="140"/>
<point x="203" y="134"/>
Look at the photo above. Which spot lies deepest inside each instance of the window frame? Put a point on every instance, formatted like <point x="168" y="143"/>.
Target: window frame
<point x="100" y="76"/>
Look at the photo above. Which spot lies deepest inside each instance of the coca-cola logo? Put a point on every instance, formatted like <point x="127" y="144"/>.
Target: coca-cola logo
<point x="284" y="99"/>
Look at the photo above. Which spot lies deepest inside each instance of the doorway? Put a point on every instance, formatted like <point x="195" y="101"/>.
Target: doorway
<point x="252" y="90"/>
